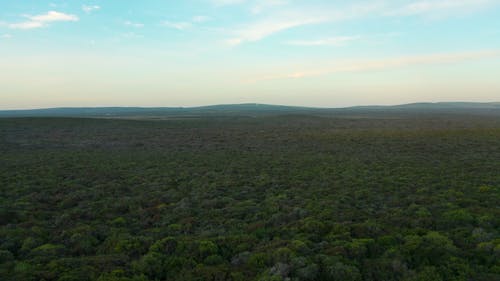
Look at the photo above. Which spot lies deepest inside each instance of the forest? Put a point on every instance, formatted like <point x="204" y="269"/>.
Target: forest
<point x="270" y="197"/>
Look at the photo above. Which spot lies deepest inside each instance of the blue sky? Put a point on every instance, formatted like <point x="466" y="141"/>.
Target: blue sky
<point x="197" y="52"/>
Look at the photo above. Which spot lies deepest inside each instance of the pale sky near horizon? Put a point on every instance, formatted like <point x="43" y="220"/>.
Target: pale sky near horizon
<point x="291" y="52"/>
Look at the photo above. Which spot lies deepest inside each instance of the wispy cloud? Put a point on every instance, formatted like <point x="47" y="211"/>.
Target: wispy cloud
<point x="200" y="19"/>
<point x="255" y="6"/>
<point x="297" y="17"/>
<point x="292" y="16"/>
<point x="53" y="16"/>
<point x="177" y="25"/>
<point x="43" y="20"/>
<point x="333" y="41"/>
<point x="426" y="7"/>
<point x="184" y="25"/>
<point x="382" y="64"/>
<point x="90" y="8"/>
<point x="261" y="30"/>
<point x="5" y="36"/>
<point x="131" y="35"/>
<point x="262" y="6"/>
<point x="227" y="2"/>
<point x="340" y="41"/>
<point x="26" y="25"/>
<point x="133" y="24"/>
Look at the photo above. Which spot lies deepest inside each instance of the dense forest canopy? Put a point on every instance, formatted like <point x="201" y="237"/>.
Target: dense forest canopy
<point x="271" y="197"/>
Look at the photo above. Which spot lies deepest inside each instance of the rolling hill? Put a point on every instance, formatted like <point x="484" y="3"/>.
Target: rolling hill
<point x="251" y="109"/>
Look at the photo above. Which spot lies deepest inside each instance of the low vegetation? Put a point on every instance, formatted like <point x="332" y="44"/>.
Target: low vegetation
<point x="279" y="197"/>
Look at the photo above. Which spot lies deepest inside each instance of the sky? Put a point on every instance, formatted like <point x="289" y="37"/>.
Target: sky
<point x="291" y="52"/>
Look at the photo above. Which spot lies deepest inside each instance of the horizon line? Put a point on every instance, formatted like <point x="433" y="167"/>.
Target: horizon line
<point x="247" y="103"/>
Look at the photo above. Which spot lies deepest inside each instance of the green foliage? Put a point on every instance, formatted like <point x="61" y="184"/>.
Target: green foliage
<point x="431" y="249"/>
<point x="258" y="261"/>
<point x="207" y="248"/>
<point x="283" y="254"/>
<point x="119" y="222"/>
<point x="342" y="272"/>
<point x="48" y="250"/>
<point x="458" y="218"/>
<point x="310" y="197"/>
<point x="427" y="274"/>
<point x="213" y="260"/>
<point x="120" y="275"/>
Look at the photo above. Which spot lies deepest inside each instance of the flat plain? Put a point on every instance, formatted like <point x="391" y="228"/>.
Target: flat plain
<point x="292" y="195"/>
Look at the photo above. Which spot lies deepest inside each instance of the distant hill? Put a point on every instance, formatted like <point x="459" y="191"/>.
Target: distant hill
<point x="152" y="111"/>
<point x="439" y="105"/>
<point x="85" y="111"/>
<point x="251" y="109"/>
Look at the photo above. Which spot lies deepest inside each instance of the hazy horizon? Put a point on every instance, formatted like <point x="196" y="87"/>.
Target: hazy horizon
<point x="317" y="53"/>
<point x="252" y="103"/>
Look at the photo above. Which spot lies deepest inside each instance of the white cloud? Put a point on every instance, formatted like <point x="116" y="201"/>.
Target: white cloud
<point x="90" y="8"/>
<point x="43" y="20"/>
<point x="184" y="25"/>
<point x="292" y="16"/>
<point x="26" y="25"/>
<point x="5" y="36"/>
<point x="426" y="7"/>
<point x="131" y="35"/>
<point x="133" y="24"/>
<point x="261" y="30"/>
<point x="383" y="64"/>
<point x="53" y="16"/>
<point x="262" y="6"/>
<point x="200" y="19"/>
<point x="177" y="25"/>
<point x="285" y="19"/>
<point x="227" y="2"/>
<point x="334" y="41"/>
<point x="256" y="5"/>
